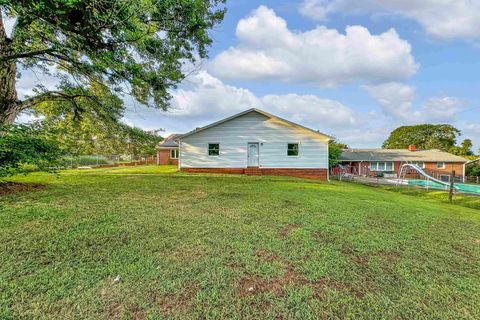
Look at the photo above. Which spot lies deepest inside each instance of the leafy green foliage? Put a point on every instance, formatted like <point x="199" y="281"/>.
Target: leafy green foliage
<point x="473" y="169"/>
<point x="139" y="142"/>
<point x="22" y="146"/>
<point x="136" y="47"/>
<point x="423" y="136"/>
<point x="85" y="129"/>
<point x="464" y="150"/>
<point x="335" y="149"/>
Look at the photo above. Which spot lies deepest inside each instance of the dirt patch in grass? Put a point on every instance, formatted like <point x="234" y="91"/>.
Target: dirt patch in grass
<point x="266" y="256"/>
<point x="322" y="286"/>
<point x="350" y="254"/>
<point x="13" y="187"/>
<point x="253" y="284"/>
<point x="464" y="252"/>
<point x="285" y="231"/>
<point x="390" y="256"/>
<point x="174" y="303"/>
<point x="359" y="260"/>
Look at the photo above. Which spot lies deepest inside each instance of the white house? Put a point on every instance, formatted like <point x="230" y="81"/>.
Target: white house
<point x="255" y="142"/>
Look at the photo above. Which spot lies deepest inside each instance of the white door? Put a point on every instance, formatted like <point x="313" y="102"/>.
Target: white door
<point x="252" y="151"/>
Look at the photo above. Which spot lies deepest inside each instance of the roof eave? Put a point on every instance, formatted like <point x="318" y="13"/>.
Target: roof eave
<point x="268" y="115"/>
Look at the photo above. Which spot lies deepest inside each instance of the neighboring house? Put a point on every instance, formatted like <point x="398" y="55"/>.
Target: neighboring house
<point x="389" y="161"/>
<point x="255" y="142"/>
<point x="167" y="150"/>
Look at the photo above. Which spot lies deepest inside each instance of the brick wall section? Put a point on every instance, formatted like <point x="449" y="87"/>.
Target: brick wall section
<point x="215" y="170"/>
<point x="163" y="156"/>
<point x="318" y="174"/>
<point x="449" y="167"/>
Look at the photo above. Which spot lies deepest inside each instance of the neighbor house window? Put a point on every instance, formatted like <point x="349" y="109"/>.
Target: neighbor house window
<point x="213" y="149"/>
<point x="292" y="149"/>
<point x="174" y="154"/>
<point x="381" y="166"/>
<point x="419" y="163"/>
<point x="440" y="165"/>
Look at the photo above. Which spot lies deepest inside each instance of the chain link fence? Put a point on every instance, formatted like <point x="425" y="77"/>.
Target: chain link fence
<point x="475" y="180"/>
<point x="110" y="160"/>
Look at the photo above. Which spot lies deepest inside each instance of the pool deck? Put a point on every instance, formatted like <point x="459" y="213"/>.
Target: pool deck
<point x="471" y="190"/>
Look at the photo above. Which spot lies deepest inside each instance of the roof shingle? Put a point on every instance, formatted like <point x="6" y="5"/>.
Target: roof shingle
<point x="431" y="155"/>
<point x="170" y="142"/>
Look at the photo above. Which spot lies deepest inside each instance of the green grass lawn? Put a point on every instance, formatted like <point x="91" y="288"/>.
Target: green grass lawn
<point x="223" y="246"/>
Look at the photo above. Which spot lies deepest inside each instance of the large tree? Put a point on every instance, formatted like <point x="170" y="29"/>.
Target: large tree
<point x="135" y="47"/>
<point x="93" y="130"/>
<point x="423" y="136"/>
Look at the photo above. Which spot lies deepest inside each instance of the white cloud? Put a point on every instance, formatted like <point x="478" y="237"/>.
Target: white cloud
<point x="310" y="109"/>
<point x="267" y="49"/>
<point x="208" y="98"/>
<point x="442" y="109"/>
<point x="315" y="9"/>
<point x="445" y="19"/>
<point x="396" y="99"/>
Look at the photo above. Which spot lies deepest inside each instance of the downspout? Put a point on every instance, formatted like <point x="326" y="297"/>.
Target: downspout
<point x="328" y="160"/>
<point x="179" y="166"/>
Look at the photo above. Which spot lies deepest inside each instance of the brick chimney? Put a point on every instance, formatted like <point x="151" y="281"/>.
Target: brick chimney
<point x="412" y="147"/>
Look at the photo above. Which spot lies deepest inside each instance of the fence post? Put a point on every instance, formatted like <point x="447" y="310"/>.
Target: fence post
<point x="450" y="192"/>
<point x="478" y="179"/>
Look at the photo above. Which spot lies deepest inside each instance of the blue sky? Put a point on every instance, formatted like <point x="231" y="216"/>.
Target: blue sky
<point x="353" y="69"/>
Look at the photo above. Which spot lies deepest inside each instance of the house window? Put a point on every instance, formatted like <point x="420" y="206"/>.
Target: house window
<point x="381" y="166"/>
<point x="440" y="165"/>
<point x="213" y="149"/>
<point x="445" y="178"/>
<point x="174" y="154"/>
<point x="292" y="149"/>
<point x="419" y="163"/>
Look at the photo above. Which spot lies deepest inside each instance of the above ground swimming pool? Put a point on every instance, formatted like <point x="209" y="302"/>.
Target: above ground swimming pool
<point x="460" y="187"/>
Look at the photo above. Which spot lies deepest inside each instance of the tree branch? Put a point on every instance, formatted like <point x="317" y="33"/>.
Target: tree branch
<point x="27" y="54"/>
<point x="54" y="96"/>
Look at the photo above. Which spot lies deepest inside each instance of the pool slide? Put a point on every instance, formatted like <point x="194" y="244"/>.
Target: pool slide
<point x="403" y="171"/>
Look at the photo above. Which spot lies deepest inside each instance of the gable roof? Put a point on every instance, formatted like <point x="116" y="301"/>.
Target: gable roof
<point x="474" y="160"/>
<point x="170" y="141"/>
<point x="266" y="114"/>
<point x="430" y="155"/>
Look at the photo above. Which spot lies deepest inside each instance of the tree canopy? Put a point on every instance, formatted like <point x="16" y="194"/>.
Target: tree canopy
<point x="464" y="150"/>
<point x="423" y="136"/>
<point x="127" y="47"/>
<point x="93" y="130"/>
<point x="335" y="149"/>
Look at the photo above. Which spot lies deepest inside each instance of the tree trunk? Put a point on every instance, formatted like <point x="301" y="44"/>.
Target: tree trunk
<point x="9" y="105"/>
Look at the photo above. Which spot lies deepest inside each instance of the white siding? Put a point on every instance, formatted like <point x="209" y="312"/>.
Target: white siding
<point x="272" y="135"/>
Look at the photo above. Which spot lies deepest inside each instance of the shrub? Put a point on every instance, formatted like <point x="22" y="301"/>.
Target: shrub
<point x="23" y="148"/>
<point x="473" y="169"/>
